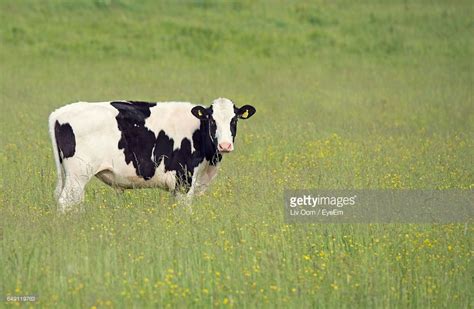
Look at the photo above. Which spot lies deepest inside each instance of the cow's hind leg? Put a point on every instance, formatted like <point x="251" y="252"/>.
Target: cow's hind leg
<point x="76" y="177"/>
<point x="59" y="183"/>
<point x="73" y="191"/>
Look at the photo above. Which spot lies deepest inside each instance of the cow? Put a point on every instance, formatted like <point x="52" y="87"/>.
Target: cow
<point x="177" y="146"/>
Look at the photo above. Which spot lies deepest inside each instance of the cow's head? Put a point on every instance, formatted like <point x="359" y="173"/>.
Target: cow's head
<point x="222" y="118"/>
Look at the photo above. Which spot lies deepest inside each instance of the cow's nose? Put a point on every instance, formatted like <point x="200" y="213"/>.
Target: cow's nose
<point x="225" y="147"/>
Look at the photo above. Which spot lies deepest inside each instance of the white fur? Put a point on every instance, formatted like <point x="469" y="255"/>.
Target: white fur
<point x="97" y="153"/>
<point x="223" y="111"/>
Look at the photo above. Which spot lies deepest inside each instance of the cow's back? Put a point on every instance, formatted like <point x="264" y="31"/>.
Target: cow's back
<point x="173" y="118"/>
<point x="118" y="140"/>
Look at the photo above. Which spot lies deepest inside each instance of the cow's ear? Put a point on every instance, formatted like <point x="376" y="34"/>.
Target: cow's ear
<point x="200" y="112"/>
<point x="246" y="111"/>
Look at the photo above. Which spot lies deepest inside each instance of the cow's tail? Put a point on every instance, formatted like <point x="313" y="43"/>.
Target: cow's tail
<point x="56" y="154"/>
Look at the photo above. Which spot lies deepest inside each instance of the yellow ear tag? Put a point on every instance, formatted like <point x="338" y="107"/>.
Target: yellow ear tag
<point x="245" y="114"/>
<point x="199" y="113"/>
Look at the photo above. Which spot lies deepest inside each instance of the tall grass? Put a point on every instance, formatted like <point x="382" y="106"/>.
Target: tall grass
<point x="348" y="96"/>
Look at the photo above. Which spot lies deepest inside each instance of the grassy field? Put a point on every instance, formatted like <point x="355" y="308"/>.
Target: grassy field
<point x="375" y="95"/>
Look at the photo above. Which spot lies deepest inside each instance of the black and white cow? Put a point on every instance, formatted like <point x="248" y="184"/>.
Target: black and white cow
<point x="130" y="144"/>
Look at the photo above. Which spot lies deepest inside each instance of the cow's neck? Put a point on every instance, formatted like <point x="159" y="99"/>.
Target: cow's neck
<point x="206" y="147"/>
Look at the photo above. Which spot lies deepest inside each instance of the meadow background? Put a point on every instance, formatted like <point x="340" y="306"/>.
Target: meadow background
<point x="372" y="95"/>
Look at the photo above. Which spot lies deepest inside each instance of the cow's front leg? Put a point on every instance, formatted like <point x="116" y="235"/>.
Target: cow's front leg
<point x="184" y="190"/>
<point x="184" y="201"/>
<point x="204" y="179"/>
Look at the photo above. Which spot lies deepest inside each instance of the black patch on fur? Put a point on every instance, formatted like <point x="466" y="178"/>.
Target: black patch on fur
<point x="147" y="152"/>
<point x="184" y="159"/>
<point x="205" y="142"/>
<point x="181" y="160"/>
<point x="137" y="141"/>
<point x="233" y="123"/>
<point x="164" y="150"/>
<point x="65" y="140"/>
<point x="233" y="127"/>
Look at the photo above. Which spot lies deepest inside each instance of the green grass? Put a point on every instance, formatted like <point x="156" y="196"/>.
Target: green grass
<point x="378" y="95"/>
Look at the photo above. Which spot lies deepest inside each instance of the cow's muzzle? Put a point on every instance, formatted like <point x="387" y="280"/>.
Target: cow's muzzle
<point x="225" y="147"/>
